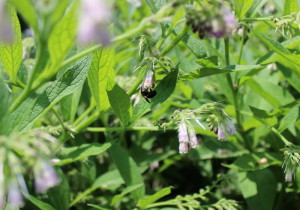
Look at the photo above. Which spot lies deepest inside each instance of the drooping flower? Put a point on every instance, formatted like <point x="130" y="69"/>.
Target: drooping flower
<point x="45" y="176"/>
<point x="221" y="132"/>
<point x="93" y="20"/>
<point x="193" y="138"/>
<point x="183" y="137"/>
<point x="14" y="197"/>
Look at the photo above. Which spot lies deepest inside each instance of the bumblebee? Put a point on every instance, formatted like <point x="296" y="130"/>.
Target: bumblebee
<point x="148" y="93"/>
<point x="148" y="85"/>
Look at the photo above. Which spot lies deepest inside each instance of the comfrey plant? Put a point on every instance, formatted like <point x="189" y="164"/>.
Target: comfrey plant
<point x="20" y="154"/>
<point x="217" y="120"/>
<point x="211" y="19"/>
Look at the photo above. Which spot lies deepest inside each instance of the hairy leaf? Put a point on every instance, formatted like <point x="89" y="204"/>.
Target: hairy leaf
<point x="144" y="202"/>
<point x="101" y="75"/>
<point x="11" y="53"/>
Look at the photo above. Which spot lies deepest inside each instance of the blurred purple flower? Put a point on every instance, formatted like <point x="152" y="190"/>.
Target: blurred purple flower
<point x="6" y="32"/>
<point x="45" y="177"/>
<point x="14" y="198"/>
<point x="93" y="21"/>
<point x="183" y="137"/>
<point x="193" y="138"/>
<point x="230" y="127"/>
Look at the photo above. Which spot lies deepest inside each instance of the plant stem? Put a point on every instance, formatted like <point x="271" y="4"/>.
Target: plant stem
<point x="175" y="41"/>
<point x="240" y="53"/>
<point x="283" y="139"/>
<point x="258" y="19"/>
<point x="59" y="119"/>
<point x="105" y="129"/>
<point x="85" y="113"/>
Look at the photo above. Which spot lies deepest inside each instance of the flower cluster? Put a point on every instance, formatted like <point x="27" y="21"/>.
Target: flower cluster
<point x="291" y="162"/>
<point x="217" y="120"/>
<point x="211" y="20"/>
<point x="19" y="154"/>
<point x="186" y="136"/>
<point x="94" y="17"/>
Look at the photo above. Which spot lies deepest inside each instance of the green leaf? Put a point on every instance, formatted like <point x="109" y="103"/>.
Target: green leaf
<point x="290" y="6"/>
<point x="289" y="119"/>
<point x="69" y="105"/>
<point x="59" y="11"/>
<point x="155" y="5"/>
<point x="252" y="162"/>
<point x="256" y="6"/>
<point x="120" y="103"/>
<point x="116" y="198"/>
<point x="263" y="116"/>
<point x="258" y="188"/>
<point x="242" y="6"/>
<point x="11" y="53"/>
<point x="101" y="75"/>
<point x="40" y="204"/>
<point x="83" y="151"/>
<point x="5" y="99"/>
<point x="59" y="195"/>
<point x="128" y="170"/>
<point x="98" y="207"/>
<point x="280" y="49"/>
<point x="36" y="106"/>
<point x="211" y="61"/>
<point x="208" y="71"/>
<point x="198" y="47"/>
<point x="26" y="9"/>
<point x="62" y="38"/>
<point x="290" y="75"/>
<point x="164" y="89"/>
<point x="144" y="202"/>
<point x="108" y="180"/>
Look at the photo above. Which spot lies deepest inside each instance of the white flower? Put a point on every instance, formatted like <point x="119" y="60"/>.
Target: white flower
<point x="183" y="147"/>
<point x="193" y="138"/>
<point x="221" y="132"/>
<point x="183" y="133"/>
<point x="14" y="198"/>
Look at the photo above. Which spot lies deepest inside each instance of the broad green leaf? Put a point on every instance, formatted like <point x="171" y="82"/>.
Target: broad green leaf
<point x="128" y="170"/>
<point x="4" y="106"/>
<point x="40" y="204"/>
<point x="11" y="53"/>
<point x="59" y="11"/>
<point x="144" y="202"/>
<point x="120" y="103"/>
<point x="242" y="6"/>
<point x="155" y="5"/>
<point x="101" y="75"/>
<point x="62" y="38"/>
<point x="109" y="180"/>
<point x="67" y="83"/>
<point x="116" y="198"/>
<point x="289" y="119"/>
<point x="280" y="49"/>
<point x="256" y="6"/>
<point x="211" y="61"/>
<point x="59" y="196"/>
<point x="207" y="71"/>
<point x="69" y="105"/>
<point x="83" y="151"/>
<point x="164" y="89"/>
<point x="258" y="188"/>
<point x="26" y="9"/>
<point x="291" y="76"/>
<point x="264" y="117"/>
<point x="290" y="6"/>
<point x="198" y="47"/>
<point x="256" y="161"/>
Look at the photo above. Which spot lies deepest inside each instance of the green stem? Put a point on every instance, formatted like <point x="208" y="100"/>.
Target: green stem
<point x="59" y="118"/>
<point x="258" y="19"/>
<point x="105" y="129"/>
<point x="240" y="53"/>
<point x="283" y="139"/>
<point x="87" y="122"/>
<point x="175" y="41"/>
<point x="85" y="113"/>
<point x="166" y="203"/>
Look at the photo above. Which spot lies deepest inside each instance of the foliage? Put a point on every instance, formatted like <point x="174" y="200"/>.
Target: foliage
<point x="97" y="96"/>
